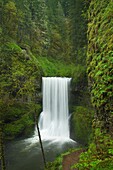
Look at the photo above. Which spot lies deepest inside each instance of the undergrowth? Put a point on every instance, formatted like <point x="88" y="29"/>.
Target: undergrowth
<point x="57" y="164"/>
<point x="99" y="156"/>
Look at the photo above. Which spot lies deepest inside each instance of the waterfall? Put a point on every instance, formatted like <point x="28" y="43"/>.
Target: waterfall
<point x="54" y="119"/>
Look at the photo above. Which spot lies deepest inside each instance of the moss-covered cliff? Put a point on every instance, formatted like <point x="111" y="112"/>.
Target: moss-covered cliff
<point x="100" y="59"/>
<point x="99" y="154"/>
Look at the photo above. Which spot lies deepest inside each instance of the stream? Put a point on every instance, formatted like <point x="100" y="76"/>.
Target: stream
<point x="25" y="154"/>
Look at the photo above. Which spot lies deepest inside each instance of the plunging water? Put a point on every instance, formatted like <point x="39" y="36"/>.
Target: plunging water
<point x="54" y="120"/>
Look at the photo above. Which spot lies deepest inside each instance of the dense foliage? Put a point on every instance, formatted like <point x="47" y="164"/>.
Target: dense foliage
<point x="57" y="164"/>
<point x="18" y="84"/>
<point x="99" y="155"/>
<point x="100" y="69"/>
<point x="100" y="59"/>
<point x="82" y="124"/>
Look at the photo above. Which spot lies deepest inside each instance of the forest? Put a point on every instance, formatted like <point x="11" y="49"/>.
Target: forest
<point x="58" y="38"/>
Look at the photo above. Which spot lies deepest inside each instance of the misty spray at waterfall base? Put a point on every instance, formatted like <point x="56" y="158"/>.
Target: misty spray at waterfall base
<point x="54" y="129"/>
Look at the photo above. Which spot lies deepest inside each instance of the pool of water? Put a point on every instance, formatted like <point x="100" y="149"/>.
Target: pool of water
<point x="25" y="154"/>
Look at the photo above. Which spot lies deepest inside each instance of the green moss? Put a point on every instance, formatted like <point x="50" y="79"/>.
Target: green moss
<point x="19" y="119"/>
<point x="100" y="57"/>
<point x="14" y="112"/>
<point x="82" y="122"/>
<point x="100" y="70"/>
<point x="13" y="130"/>
<point x="99" y="155"/>
<point x="52" y="67"/>
<point x="18" y="127"/>
<point x="12" y="48"/>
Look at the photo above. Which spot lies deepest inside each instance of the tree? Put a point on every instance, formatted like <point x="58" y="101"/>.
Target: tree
<point x="77" y="17"/>
<point x="9" y="19"/>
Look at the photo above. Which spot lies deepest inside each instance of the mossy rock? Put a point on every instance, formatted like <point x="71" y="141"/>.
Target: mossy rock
<point x="19" y="127"/>
<point x="12" y="130"/>
<point x="82" y="124"/>
<point x="20" y="121"/>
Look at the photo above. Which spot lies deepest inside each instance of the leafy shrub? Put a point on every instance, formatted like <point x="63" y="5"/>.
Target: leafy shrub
<point x="52" y="67"/>
<point x="99" y="155"/>
<point x="18" y="127"/>
<point x="19" y="119"/>
<point x="57" y="163"/>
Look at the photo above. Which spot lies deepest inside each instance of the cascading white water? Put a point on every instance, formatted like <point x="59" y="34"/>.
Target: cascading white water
<point x="54" y="120"/>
